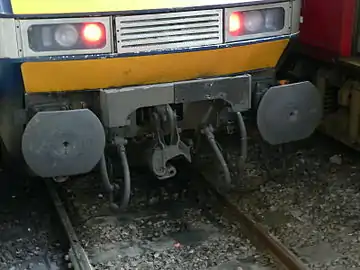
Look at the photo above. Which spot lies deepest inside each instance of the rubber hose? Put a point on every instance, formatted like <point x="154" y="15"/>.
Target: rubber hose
<point x="218" y="154"/>
<point x="243" y="135"/>
<point x="127" y="178"/>
<point x="108" y="187"/>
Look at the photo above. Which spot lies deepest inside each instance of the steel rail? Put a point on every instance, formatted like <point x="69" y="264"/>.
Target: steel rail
<point x="255" y="232"/>
<point x="77" y="254"/>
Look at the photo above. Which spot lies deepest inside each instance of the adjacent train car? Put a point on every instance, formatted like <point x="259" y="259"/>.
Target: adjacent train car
<point x="327" y="53"/>
<point x="81" y="77"/>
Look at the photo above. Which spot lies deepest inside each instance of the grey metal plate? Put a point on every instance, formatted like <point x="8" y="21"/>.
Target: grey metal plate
<point x="234" y="90"/>
<point x="169" y="30"/>
<point x="289" y="113"/>
<point x="61" y="143"/>
<point x="118" y="103"/>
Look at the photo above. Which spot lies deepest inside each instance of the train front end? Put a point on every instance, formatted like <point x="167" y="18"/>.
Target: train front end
<point x="80" y="76"/>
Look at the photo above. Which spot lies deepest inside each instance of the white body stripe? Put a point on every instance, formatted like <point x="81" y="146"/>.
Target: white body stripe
<point x="8" y="39"/>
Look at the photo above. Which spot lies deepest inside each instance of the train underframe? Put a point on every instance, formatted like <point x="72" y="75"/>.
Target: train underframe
<point x="66" y="133"/>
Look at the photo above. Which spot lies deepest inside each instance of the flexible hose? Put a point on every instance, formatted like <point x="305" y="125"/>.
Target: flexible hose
<point x="106" y="181"/>
<point x="104" y="175"/>
<point x="170" y="114"/>
<point x="243" y="135"/>
<point x="210" y="136"/>
<point x="203" y="122"/>
<point x="127" y="178"/>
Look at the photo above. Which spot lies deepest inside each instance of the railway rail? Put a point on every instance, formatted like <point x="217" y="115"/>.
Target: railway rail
<point x="312" y="206"/>
<point x="189" y="224"/>
<point x="201" y="217"/>
<point x="259" y="236"/>
<point x="30" y="235"/>
<point x="77" y="256"/>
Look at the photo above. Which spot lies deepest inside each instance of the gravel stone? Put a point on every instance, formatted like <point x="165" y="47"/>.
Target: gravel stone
<point x="28" y="236"/>
<point x="310" y="200"/>
<point x="169" y="234"/>
<point x="306" y="194"/>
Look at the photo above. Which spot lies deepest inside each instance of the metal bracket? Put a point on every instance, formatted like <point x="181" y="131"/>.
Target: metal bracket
<point x="161" y="156"/>
<point x="164" y="152"/>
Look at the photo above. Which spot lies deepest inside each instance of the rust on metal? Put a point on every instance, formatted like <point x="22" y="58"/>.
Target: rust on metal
<point x="257" y="234"/>
<point x="261" y="238"/>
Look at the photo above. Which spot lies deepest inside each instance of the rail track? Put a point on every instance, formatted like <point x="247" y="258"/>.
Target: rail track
<point x="259" y="236"/>
<point x="30" y="235"/>
<point x="187" y="223"/>
<point x="184" y="223"/>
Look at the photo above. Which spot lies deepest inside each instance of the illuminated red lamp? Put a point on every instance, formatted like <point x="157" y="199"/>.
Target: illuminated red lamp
<point x="236" y="24"/>
<point x="93" y="33"/>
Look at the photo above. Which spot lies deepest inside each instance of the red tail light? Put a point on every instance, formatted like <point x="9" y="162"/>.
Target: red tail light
<point x="93" y="33"/>
<point x="235" y="24"/>
<point x="243" y="24"/>
<point x="67" y="36"/>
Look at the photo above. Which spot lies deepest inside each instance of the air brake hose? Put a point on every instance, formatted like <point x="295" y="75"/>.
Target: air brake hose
<point x="127" y="177"/>
<point x="211" y="139"/>
<point x="127" y="180"/>
<point x="243" y="134"/>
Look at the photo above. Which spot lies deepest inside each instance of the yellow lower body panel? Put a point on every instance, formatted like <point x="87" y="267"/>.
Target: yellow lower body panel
<point x="137" y="70"/>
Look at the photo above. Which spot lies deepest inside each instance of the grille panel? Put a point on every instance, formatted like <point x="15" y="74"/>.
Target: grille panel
<point x="139" y="33"/>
